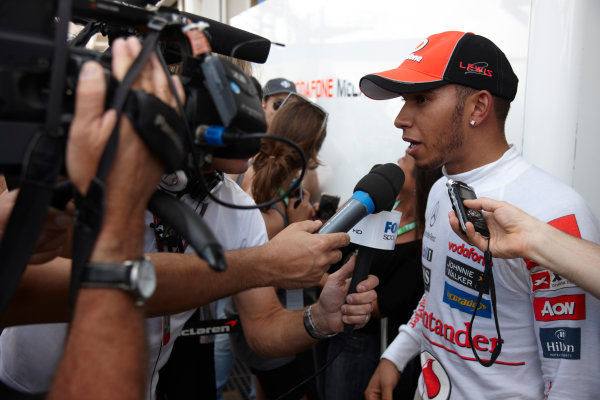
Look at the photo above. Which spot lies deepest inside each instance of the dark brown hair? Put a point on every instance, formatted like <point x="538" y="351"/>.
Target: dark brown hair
<point x="299" y="121"/>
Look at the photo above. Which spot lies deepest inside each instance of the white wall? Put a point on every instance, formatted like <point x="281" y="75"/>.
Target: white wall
<point x="563" y="112"/>
<point x="552" y="46"/>
<point x="339" y="41"/>
<point x="219" y="10"/>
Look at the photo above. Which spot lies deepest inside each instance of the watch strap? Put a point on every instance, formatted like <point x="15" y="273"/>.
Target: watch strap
<point x="109" y="275"/>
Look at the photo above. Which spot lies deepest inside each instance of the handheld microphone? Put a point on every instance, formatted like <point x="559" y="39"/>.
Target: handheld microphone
<point x="375" y="192"/>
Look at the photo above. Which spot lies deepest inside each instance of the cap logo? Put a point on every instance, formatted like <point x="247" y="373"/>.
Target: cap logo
<point x="412" y="56"/>
<point x="479" y="68"/>
<point x="421" y="45"/>
<point x="285" y="84"/>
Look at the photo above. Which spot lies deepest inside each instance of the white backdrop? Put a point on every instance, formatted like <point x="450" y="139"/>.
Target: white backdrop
<point x="330" y="45"/>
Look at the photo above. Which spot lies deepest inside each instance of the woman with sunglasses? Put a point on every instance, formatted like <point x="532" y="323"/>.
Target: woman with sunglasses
<point x="277" y="165"/>
<point x="271" y="173"/>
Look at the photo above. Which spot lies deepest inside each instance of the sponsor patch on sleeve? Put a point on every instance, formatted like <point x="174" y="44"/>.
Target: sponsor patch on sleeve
<point x="548" y="280"/>
<point x="559" y="308"/>
<point x="561" y="343"/>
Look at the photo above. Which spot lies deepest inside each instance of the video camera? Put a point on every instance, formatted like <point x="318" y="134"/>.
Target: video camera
<point x="39" y="69"/>
<point x="34" y="82"/>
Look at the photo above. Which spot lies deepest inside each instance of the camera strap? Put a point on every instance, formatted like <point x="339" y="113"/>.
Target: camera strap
<point x="90" y="213"/>
<point x="486" y="286"/>
<point x="40" y="171"/>
<point x="159" y="126"/>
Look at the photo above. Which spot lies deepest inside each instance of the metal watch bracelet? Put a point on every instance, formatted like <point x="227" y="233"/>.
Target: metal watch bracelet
<point x="310" y="327"/>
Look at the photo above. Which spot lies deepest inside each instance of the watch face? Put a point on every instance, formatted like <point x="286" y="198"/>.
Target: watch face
<point x="147" y="279"/>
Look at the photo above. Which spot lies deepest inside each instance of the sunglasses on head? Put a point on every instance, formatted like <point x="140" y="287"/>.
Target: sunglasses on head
<point x="278" y="103"/>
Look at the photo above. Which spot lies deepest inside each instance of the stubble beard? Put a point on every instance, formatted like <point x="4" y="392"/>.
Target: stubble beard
<point x="447" y="144"/>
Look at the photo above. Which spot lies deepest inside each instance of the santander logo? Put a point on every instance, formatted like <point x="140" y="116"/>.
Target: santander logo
<point x="435" y="378"/>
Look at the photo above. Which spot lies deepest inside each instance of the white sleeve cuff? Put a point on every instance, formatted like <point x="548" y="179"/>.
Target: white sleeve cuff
<point x="403" y="349"/>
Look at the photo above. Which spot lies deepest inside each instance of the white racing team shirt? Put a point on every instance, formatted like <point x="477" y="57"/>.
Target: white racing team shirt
<point x="29" y="355"/>
<point x="549" y="326"/>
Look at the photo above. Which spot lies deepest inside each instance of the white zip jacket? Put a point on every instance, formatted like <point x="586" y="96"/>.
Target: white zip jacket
<point x="550" y="328"/>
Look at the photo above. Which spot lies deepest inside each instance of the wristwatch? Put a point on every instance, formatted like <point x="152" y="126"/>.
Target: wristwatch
<point x="135" y="276"/>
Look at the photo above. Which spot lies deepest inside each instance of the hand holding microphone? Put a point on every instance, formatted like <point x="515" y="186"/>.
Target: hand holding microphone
<point x="375" y="192"/>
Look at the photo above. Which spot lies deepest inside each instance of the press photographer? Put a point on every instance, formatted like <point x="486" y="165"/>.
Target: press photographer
<point x="302" y="255"/>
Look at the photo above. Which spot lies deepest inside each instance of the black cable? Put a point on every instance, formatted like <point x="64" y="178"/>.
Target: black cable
<point x="319" y="371"/>
<point x="275" y="200"/>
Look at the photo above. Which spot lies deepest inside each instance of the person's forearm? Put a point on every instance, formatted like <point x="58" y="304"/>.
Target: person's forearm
<point x="278" y="335"/>
<point x="42" y="295"/>
<point x="106" y="319"/>
<point x="575" y="259"/>
<point x="184" y="281"/>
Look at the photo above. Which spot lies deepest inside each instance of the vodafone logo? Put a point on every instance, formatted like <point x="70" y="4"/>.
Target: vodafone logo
<point x="559" y="308"/>
<point x="436" y="382"/>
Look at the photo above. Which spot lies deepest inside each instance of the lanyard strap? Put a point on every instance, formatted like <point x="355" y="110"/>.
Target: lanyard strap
<point x="488" y="279"/>
<point x="407" y="228"/>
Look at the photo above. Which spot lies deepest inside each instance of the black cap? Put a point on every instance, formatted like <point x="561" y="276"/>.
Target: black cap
<point x="278" y="85"/>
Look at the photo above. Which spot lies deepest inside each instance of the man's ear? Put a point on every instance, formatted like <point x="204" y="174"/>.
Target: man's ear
<point x="482" y="103"/>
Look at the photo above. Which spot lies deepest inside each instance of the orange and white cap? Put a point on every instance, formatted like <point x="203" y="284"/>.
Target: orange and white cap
<point x="448" y="57"/>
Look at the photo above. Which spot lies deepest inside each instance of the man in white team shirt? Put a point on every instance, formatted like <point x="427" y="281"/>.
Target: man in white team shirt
<point x="457" y="89"/>
<point x="29" y="354"/>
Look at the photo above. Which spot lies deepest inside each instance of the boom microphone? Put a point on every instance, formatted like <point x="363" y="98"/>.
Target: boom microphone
<point x="375" y="192"/>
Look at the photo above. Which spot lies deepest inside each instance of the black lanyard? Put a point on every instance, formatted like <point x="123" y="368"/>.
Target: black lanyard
<point x="488" y="286"/>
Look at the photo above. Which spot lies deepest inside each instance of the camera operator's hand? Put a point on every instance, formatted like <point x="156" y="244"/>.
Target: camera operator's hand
<point x="301" y="256"/>
<point x="135" y="171"/>
<point x="335" y="307"/>
<point x="107" y="327"/>
<point x="300" y="209"/>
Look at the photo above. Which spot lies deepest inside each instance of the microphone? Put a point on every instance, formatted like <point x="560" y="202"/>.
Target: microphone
<point x="375" y="233"/>
<point x="189" y="224"/>
<point x="375" y="192"/>
<point x="234" y="42"/>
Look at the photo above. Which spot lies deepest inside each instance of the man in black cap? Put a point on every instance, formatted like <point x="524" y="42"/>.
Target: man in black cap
<point x="274" y="92"/>
<point x="535" y="334"/>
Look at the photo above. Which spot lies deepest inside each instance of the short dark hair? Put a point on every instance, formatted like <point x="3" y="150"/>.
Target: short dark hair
<point x="501" y="105"/>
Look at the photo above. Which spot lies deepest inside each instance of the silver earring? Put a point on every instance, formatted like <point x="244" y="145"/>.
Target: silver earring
<point x="472" y="122"/>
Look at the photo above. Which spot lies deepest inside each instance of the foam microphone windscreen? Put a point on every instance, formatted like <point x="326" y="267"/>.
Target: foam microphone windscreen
<point x="230" y="41"/>
<point x="383" y="183"/>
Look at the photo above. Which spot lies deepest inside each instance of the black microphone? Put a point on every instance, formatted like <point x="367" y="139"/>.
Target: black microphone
<point x="234" y="42"/>
<point x="191" y="226"/>
<point x="375" y="192"/>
